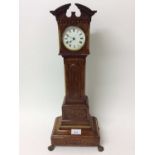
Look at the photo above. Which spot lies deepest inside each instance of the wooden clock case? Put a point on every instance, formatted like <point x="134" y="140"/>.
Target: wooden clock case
<point x="75" y="108"/>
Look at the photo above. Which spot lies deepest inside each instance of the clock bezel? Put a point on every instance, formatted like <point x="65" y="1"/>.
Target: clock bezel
<point x="71" y="49"/>
<point x="84" y="26"/>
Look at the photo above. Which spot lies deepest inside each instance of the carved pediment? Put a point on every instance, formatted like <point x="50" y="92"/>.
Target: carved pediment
<point x="60" y="12"/>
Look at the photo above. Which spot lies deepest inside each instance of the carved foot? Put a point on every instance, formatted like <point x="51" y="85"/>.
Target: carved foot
<point x="51" y="147"/>
<point x="100" y="148"/>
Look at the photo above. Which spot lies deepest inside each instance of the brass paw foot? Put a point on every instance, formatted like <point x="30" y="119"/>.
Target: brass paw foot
<point x="51" y="147"/>
<point x="100" y="148"/>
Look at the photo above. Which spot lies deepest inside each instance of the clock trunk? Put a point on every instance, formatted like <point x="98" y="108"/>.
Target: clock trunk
<point x="75" y="109"/>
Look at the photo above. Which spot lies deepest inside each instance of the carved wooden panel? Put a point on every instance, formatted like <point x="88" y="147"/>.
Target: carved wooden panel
<point x="75" y="114"/>
<point x="77" y="141"/>
<point x="75" y="77"/>
<point x="88" y="137"/>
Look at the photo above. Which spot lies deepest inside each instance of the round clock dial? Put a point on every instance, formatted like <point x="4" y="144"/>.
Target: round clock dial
<point x="73" y="38"/>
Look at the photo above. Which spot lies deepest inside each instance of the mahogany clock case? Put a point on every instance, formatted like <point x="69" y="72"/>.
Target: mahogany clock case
<point x="75" y="108"/>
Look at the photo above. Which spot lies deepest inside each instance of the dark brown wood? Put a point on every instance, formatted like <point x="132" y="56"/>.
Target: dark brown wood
<point x="89" y="136"/>
<point x="83" y="22"/>
<point x="75" y="108"/>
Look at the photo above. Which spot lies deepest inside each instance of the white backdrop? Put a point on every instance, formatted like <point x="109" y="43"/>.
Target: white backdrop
<point x="109" y="76"/>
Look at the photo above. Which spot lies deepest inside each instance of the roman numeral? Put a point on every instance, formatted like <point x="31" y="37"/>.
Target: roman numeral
<point x="80" y="42"/>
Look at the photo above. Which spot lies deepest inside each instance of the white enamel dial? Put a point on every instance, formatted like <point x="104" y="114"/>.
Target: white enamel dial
<point x="73" y="38"/>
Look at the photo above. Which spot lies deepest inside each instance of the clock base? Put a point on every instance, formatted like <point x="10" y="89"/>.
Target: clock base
<point x="87" y="137"/>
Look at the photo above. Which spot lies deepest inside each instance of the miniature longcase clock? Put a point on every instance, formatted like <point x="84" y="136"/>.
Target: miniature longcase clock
<point x="76" y="127"/>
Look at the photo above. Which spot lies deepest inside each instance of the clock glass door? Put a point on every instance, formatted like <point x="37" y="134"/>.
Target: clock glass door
<point x="73" y="38"/>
